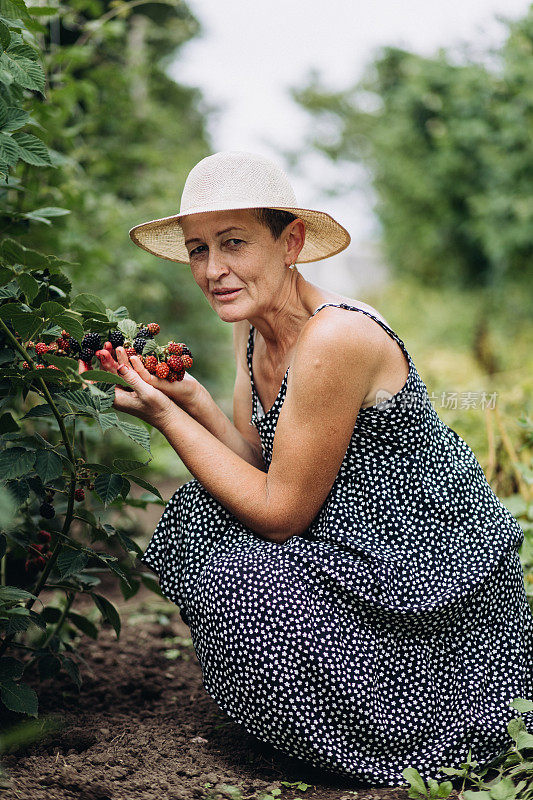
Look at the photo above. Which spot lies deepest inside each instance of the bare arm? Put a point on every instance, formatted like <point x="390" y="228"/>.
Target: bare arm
<point x="333" y="367"/>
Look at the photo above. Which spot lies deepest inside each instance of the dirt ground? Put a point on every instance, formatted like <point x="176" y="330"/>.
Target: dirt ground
<point x="143" y="727"/>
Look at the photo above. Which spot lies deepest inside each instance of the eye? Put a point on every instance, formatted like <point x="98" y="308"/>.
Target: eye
<point x="234" y="240"/>
<point x="196" y="250"/>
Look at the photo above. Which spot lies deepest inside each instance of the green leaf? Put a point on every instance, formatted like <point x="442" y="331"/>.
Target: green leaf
<point x="50" y="211"/>
<point x="104" y="377"/>
<point x="84" y="624"/>
<point x="522" y="705"/>
<point x="503" y="790"/>
<point x="48" y="466"/>
<point x="28" y="285"/>
<point x="9" y="291"/>
<point x="41" y="410"/>
<point x="16" y="462"/>
<point x="15" y="253"/>
<point x="7" y="423"/>
<point x="88" y="303"/>
<point x="32" y="150"/>
<point x="108" y="487"/>
<point x="26" y="323"/>
<point x="524" y="741"/>
<point x="415" y="780"/>
<point x="71" y="324"/>
<point x="19" y="490"/>
<point x="515" y="726"/>
<point x="108" y="611"/>
<point x="63" y="362"/>
<point x="144" y="484"/>
<point x="5" y="36"/>
<point x="9" y="150"/>
<point x="10" y="668"/>
<point x="51" y="309"/>
<point x="70" y="562"/>
<point x="139" y="435"/>
<point x="149" y="347"/>
<point x="15" y="118"/>
<point x="128" y="328"/>
<point x="12" y="594"/>
<point x="19" y="697"/>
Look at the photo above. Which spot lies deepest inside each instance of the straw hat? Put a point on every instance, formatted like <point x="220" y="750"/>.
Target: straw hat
<point x="232" y="180"/>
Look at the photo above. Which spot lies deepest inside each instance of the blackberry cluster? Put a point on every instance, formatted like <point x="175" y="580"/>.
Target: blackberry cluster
<point x="116" y="338"/>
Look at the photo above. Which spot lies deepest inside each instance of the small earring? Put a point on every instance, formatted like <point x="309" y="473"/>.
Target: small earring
<point x="292" y="266"/>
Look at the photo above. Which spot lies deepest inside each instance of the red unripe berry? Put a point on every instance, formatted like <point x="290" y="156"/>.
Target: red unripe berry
<point x="175" y="348"/>
<point x="150" y="362"/>
<point x="40" y="366"/>
<point x="131" y="351"/>
<point x="174" y="362"/>
<point x="33" y="547"/>
<point x="162" y="370"/>
<point x="172" y="376"/>
<point x="186" y="361"/>
<point x="25" y="365"/>
<point x="52" y="347"/>
<point x="79" y="494"/>
<point x="65" y="334"/>
<point x="40" y="561"/>
<point x="62" y="344"/>
<point x="41" y="347"/>
<point x="44" y="536"/>
<point x="154" y="328"/>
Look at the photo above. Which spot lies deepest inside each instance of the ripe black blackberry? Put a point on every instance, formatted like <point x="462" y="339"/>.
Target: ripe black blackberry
<point x="91" y="341"/>
<point x="87" y="355"/>
<point x="116" y="338"/>
<point x="47" y="511"/>
<point x="144" y="333"/>
<point x="74" y="347"/>
<point x="139" y="344"/>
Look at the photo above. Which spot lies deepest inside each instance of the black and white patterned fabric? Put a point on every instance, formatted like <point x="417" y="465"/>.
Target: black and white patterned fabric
<point x="394" y="632"/>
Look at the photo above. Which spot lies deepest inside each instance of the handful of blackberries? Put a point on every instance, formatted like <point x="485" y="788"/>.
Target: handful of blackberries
<point x="168" y="362"/>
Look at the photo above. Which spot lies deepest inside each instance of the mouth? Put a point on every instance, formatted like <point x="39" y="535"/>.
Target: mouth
<point x="225" y="292"/>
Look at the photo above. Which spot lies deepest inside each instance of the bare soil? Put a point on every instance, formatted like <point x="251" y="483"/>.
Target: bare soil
<point x="142" y="727"/>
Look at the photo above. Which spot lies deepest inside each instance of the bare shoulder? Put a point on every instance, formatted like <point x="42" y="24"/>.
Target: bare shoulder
<point x="340" y="330"/>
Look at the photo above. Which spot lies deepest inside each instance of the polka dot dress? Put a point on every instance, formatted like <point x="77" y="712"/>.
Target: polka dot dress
<point x="394" y="632"/>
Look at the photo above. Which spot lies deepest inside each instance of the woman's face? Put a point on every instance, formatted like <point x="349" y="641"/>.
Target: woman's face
<point x="237" y="263"/>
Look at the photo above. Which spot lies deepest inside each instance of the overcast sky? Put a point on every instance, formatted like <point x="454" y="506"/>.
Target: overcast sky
<point x="252" y="52"/>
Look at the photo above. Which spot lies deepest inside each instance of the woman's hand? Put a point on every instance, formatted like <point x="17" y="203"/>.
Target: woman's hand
<point x="143" y="401"/>
<point x="184" y="393"/>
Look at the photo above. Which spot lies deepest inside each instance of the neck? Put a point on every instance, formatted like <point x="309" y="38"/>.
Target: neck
<point x="281" y="322"/>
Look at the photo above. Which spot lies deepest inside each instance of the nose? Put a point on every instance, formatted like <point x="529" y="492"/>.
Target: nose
<point x="215" y="267"/>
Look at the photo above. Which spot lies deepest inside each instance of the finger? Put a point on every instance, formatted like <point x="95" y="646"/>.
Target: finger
<point x="106" y="360"/>
<point x="122" y="356"/>
<point x="108" y="346"/>
<point x="131" y="377"/>
<point x="139" y="367"/>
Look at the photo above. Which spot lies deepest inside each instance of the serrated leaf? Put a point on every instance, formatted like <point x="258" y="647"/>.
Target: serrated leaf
<point x="15" y="118"/>
<point x="108" y="611"/>
<point x="108" y="487"/>
<point x="70" y="562"/>
<point x="5" y="36"/>
<point x="121" y="312"/>
<point x="84" y="624"/>
<point x="28" y="285"/>
<point x="42" y="410"/>
<point x="9" y="150"/>
<point x="71" y="324"/>
<point x="63" y="362"/>
<point x="16" y="462"/>
<point x="26" y="323"/>
<point x="144" y="484"/>
<point x="524" y="741"/>
<point x="19" y="697"/>
<point x="9" y="291"/>
<point x="48" y="466"/>
<point x="12" y="594"/>
<point x="128" y="328"/>
<point x="19" y="490"/>
<point x="32" y="150"/>
<point x="104" y="377"/>
<point x="88" y="303"/>
<point x="149" y="347"/>
<point x="139" y="435"/>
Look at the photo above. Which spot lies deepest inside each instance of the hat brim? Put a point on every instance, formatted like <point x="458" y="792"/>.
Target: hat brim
<point x="324" y="236"/>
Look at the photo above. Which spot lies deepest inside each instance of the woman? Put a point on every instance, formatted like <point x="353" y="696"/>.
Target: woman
<point x="351" y="582"/>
